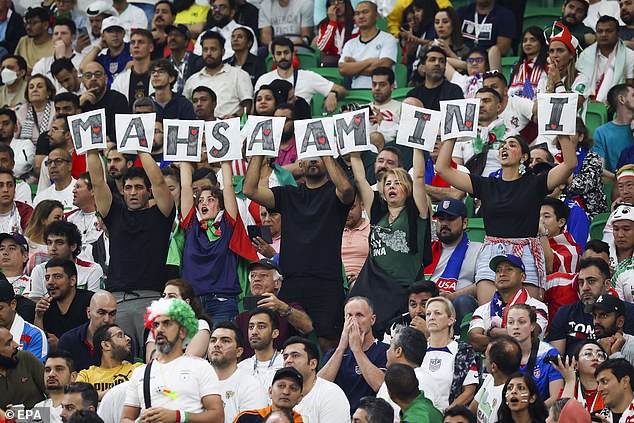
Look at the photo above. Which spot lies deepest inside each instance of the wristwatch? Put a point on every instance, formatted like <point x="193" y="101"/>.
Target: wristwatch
<point x="288" y="311"/>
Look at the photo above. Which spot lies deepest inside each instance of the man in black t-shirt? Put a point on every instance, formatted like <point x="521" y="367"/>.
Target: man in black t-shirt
<point x="313" y="218"/>
<point x="139" y="237"/>
<point x="435" y="88"/>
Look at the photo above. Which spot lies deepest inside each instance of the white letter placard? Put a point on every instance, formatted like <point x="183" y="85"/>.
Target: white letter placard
<point x="264" y="135"/>
<point x="135" y="132"/>
<point x="352" y="131"/>
<point x="223" y="140"/>
<point x="88" y="130"/>
<point x="315" y="138"/>
<point x="557" y="113"/>
<point x="418" y="127"/>
<point x="460" y="118"/>
<point x="182" y="140"/>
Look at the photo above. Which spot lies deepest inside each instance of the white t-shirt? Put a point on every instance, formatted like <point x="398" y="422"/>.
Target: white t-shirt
<point x="11" y="221"/>
<point x="241" y="392"/>
<point x="111" y="405"/>
<point x="287" y="21"/>
<point x="438" y="370"/>
<point x="391" y="113"/>
<point x="23" y="191"/>
<point x="226" y="32"/>
<point x="467" y="270"/>
<point x="89" y="277"/>
<point x="87" y="225"/>
<point x="263" y="370"/>
<point x="64" y="196"/>
<point x="489" y="398"/>
<point x="54" y="415"/>
<point x="325" y="403"/>
<point x="133" y="17"/>
<point x="602" y="8"/>
<point x="43" y="66"/>
<point x="24" y="153"/>
<point x="517" y="113"/>
<point x="231" y="85"/>
<point x="190" y="378"/>
<point x="308" y="83"/>
<point x="382" y="45"/>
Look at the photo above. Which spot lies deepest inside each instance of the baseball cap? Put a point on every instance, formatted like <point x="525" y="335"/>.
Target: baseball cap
<point x="266" y="263"/>
<point x="6" y="290"/>
<point x="100" y="8"/>
<point x="452" y="207"/>
<point x="112" y="22"/>
<point x="513" y="259"/>
<point x="607" y="303"/>
<point x="18" y="238"/>
<point x="289" y="372"/>
<point x="623" y="212"/>
<point x="180" y="28"/>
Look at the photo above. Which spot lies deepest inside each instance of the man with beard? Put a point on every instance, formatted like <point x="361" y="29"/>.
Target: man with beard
<point x="573" y="12"/>
<point x="232" y="85"/>
<point x="37" y="42"/>
<point x="318" y="209"/>
<point x="194" y="395"/>
<point x="287" y="157"/>
<point x="134" y="82"/>
<point x="114" y="60"/>
<point x="608" y="319"/>
<point x="117" y="164"/>
<point x="78" y="396"/>
<point x="59" y="371"/>
<point x="172" y="105"/>
<point x="573" y="323"/>
<point x="626" y="32"/>
<point x="186" y="62"/>
<point x="112" y="345"/>
<point x="66" y="76"/>
<point x="204" y="101"/>
<point x="453" y="266"/>
<point x="435" y="88"/>
<point x="99" y="96"/>
<point x="164" y="15"/>
<point x="240" y="391"/>
<point x="386" y="112"/>
<point x="22" y="374"/>
<point x="372" y="49"/>
<point x="245" y="14"/>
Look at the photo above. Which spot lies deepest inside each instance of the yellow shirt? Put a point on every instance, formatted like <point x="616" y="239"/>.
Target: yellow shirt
<point x="195" y="14"/>
<point x="104" y="379"/>
<point x="32" y="52"/>
<point x="395" y="16"/>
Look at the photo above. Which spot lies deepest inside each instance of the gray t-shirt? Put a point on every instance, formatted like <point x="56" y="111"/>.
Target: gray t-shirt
<point x="287" y="20"/>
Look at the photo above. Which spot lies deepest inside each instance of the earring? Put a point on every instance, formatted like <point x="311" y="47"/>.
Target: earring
<point x="522" y="169"/>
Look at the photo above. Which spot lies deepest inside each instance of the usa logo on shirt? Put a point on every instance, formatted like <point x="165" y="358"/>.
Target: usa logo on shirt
<point x="434" y="364"/>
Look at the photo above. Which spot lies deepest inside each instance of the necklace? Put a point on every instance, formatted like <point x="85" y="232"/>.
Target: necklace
<point x="255" y="362"/>
<point x="166" y="391"/>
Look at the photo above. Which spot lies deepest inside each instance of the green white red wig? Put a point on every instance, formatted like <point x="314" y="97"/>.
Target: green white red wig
<point x="177" y="310"/>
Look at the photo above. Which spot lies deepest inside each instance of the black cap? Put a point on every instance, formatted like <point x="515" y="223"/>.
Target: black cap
<point x="607" y="303"/>
<point x="180" y="28"/>
<point x="6" y="290"/>
<point x="289" y="372"/>
<point x="267" y="263"/>
<point x="18" y="238"/>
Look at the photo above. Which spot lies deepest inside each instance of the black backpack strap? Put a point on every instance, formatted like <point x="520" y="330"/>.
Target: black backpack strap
<point x="530" y="366"/>
<point x="146" y="385"/>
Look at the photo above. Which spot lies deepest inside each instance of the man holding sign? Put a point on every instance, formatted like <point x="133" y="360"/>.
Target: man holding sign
<point x="313" y="218"/>
<point x="134" y="226"/>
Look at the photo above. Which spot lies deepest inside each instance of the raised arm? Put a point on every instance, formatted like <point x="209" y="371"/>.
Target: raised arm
<point x="420" y="190"/>
<point x="228" y="193"/>
<point x="187" y="193"/>
<point x="160" y="191"/>
<point x="261" y="195"/>
<point x="454" y="177"/>
<point x="103" y="195"/>
<point x="560" y="173"/>
<point x="345" y="190"/>
<point x="358" y="170"/>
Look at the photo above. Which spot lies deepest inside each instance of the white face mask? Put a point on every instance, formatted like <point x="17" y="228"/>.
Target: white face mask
<point x="8" y="76"/>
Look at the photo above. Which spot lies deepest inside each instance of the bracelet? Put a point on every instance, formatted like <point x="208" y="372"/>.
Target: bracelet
<point x="178" y="416"/>
<point x="182" y="416"/>
<point x="335" y="93"/>
<point x="186" y="419"/>
<point x="488" y="332"/>
<point x="543" y="234"/>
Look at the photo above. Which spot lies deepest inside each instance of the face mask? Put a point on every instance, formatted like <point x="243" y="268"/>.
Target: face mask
<point x="8" y="76"/>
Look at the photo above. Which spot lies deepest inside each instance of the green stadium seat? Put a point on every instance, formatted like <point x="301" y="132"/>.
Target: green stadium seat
<point x="400" y="94"/>
<point x="507" y="66"/>
<point x="607" y="189"/>
<point x="597" y="225"/>
<point x="359" y="97"/>
<point x="381" y="23"/>
<point x="475" y="229"/>
<point x="540" y="17"/>
<point x="317" y="105"/>
<point x="331" y="74"/>
<point x="468" y="202"/>
<point x="401" y="75"/>
<point x="596" y="115"/>
<point x="307" y="59"/>
<point x="464" y="327"/>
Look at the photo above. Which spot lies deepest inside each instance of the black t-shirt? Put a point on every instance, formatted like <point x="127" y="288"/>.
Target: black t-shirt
<point x="57" y="323"/>
<point x="431" y="98"/>
<point x="510" y="209"/>
<point x="43" y="146"/>
<point x="139" y="85"/>
<point x="138" y="247"/>
<point x="114" y="102"/>
<point x="312" y="227"/>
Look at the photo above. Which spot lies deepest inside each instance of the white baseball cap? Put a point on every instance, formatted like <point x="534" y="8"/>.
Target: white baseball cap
<point x="112" y="22"/>
<point x="100" y="7"/>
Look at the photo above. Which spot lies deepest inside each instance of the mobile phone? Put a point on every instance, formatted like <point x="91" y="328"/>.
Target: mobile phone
<point x="251" y="302"/>
<point x="82" y="31"/>
<point x="552" y="359"/>
<point x="263" y="232"/>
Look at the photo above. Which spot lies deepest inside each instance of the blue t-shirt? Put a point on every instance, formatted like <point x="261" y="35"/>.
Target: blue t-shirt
<point x="610" y="140"/>
<point x="349" y="377"/>
<point x="500" y="22"/>
<point x="544" y="373"/>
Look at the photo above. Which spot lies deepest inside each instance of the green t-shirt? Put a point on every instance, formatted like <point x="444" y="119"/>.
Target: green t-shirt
<point x="389" y="249"/>
<point x="421" y="410"/>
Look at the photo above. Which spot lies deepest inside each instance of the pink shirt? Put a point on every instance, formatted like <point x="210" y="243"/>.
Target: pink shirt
<point x="275" y="245"/>
<point x="287" y="155"/>
<point x="355" y="247"/>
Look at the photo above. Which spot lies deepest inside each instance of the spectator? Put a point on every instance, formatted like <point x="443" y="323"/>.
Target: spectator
<point x="204" y="101"/>
<point x="13" y="29"/>
<point x="37" y="42"/>
<point x="531" y="69"/>
<point x="386" y="112"/>
<point x="615" y="384"/>
<point x="540" y="154"/>
<point x="279" y="416"/>
<point x="459" y="414"/>
<point x="22" y="147"/>
<point x="622" y="248"/>
<point x="85" y="215"/>
<point x="241" y="390"/>
<point x="219" y="77"/>
<point x="64" y="31"/>
<point x="354" y="241"/>
<point x="242" y="40"/>
<point x="43" y="214"/>
<point x="321" y="400"/>
<point x="395" y="15"/>
<point x="117" y="55"/>
<point x="489" y="320"/>
<point x="21" y="369"/>
<point x="477" y="61"/>
<point x="402" y="386"/>
<point x="573" y="13"/>
<point x="193" y="15"/>
<point x="97" y="12"/>
<point x="134" y="81"/>
<point x="164" y="15"/>
<point x="592" y="64"/>
<point x="30" y="337"/>
<point x="172" y="105"/>
<point x="14" y="253"/>
<point x="563" y="76"/>
<point x="14" y="215"/>
<point x="59" y="372"/>
<point x="503" y="357"/>
<point x="66" y="77"/>
<point x="264" y="101"/>
<point x="417" y="31"/>
<point x="336" y="29"/>
<point x="186" y="62"/>
<point x="273" y="221"/>
<point x="373" y="48"/>
<point x="58" y="164"/>
<point x="417" y="295"/>
<point x="78" y="396"/>
<point x="561" y="251"/>
<point x="571" y="325"/>
<point x="132" y="17"/>
<point x="357" y="364"/>
<point x="598" y="8"/>
<point x="7" y="161"/>
<point x="85" y="416"/>
<point x="626" y="31"/>
<point x="435" y="88"/>
<point x="608" y="314"/>
<point x="14" y="72"/>
<point x="373" y="410"/>
<point x="37" y="115"/>
<point x="522" y="400"/>
<point x="294" y="20"/>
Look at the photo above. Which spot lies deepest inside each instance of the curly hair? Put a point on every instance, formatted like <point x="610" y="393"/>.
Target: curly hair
<point x="177" y="310"/>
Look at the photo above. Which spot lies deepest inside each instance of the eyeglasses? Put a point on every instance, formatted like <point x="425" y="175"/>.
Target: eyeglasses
<point x="91" y="75"/>
<point x="56" y="162"/>
<point x="589" y="355"/>
<point x="32" y="22"/>
<point x="472" y="60"/>
<point x="158" y="71"/>
<point x="219" y="7"/>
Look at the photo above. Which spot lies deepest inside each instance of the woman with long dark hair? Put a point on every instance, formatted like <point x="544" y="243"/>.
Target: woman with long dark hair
<point x="521" y="402"/>
<point x="529" y="73"/>
<point x="335" y="30"/>
<point x="421" y="32"/>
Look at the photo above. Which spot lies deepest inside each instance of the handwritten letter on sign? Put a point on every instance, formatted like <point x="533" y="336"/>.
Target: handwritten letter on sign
<point x="263" y="134"/>
<point x="182" y="140"/>
<point x="353" y="131"/>
<point x="315" y="138"/>
<point x="557" y="113"/>
<point x="88" y="130"/>
<point x="135" y="132"/>
<point x="459" y="118"/>
<point x="418" y="127"/>
<point x="223" y="140"/>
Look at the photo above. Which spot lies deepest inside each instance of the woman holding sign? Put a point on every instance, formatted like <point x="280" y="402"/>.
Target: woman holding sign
<point x="510" y="207"/>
